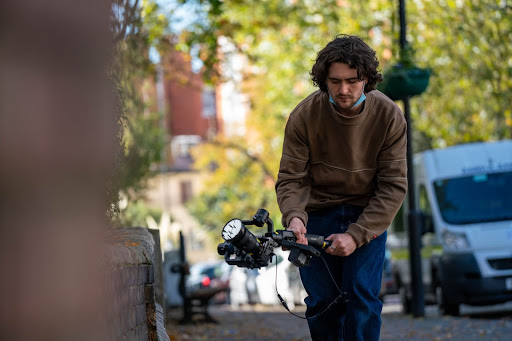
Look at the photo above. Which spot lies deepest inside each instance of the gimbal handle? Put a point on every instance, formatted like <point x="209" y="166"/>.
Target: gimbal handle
<point x="281" y="236"/>
<point x="262" y="217"/>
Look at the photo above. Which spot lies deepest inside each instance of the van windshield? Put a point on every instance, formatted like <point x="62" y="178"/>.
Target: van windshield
<point x="476" y="198"/>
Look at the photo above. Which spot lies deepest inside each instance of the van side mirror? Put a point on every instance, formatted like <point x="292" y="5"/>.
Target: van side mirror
<point x="427" y="224"/>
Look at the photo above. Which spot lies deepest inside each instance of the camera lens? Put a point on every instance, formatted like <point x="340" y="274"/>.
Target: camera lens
<point x="248" y="242"/>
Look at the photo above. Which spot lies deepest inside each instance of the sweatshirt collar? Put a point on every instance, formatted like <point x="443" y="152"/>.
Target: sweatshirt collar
<point x="350" y="119"/>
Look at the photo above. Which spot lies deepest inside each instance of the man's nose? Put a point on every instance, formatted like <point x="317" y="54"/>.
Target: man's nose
<point x="344" y="88"/>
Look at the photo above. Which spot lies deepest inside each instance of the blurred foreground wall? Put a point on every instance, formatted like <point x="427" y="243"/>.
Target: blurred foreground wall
<point x="57" y="130"/>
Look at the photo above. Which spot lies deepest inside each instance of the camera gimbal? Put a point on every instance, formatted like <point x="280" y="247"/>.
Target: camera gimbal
<point x="244" y="249"/>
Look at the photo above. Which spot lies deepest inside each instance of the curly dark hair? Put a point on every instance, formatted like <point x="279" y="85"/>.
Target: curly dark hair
<point x="350" y="50"/>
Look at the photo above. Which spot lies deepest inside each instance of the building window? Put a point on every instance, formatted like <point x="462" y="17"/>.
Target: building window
<point x="209" y="107"/>
<point x="185" y="191"/>
<point x="181" y="145"/>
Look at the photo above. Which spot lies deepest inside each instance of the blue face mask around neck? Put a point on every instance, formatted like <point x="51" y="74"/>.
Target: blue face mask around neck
<point x="359" y="101"/>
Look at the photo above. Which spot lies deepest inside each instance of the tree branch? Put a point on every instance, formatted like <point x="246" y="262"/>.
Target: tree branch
<point x="254" y="158"/>
<point x="128" y="18"/>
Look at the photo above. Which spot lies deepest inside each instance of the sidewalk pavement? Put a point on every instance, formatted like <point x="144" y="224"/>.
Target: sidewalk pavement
<point x="274" y="323"/>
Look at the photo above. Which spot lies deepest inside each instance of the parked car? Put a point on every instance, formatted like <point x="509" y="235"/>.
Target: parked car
<point x="242" y="288"/>
<point x="266" y="281"/>
<point x="209" y="278"/>
<point x="250" y="286"/>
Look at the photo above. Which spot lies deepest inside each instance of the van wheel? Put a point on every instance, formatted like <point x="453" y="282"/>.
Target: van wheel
<point x="445" y="306"/>
<point x="406" y="301"/>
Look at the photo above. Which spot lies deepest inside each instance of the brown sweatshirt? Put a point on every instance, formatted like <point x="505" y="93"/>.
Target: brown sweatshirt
<point x="329" y="159"/>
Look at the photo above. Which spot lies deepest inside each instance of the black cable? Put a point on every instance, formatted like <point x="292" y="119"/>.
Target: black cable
<point x="341" y="295"/>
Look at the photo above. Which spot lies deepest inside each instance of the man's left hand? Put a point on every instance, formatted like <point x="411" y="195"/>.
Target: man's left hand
<point x="343" y="244"/>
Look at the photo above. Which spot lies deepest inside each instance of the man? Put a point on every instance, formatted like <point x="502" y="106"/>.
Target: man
<point x="343" y="175"/>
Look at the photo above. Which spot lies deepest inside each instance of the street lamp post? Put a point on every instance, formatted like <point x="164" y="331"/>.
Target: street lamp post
<point x="414" y="215"/>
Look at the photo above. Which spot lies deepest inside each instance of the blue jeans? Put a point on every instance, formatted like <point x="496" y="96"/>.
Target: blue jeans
<point x="359" y="275"/>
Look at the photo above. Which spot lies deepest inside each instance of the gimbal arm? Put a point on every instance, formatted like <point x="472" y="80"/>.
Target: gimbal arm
<point x="261" y="218"/>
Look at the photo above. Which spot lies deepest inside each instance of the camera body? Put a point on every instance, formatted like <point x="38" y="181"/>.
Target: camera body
<point x="244" y="249"/>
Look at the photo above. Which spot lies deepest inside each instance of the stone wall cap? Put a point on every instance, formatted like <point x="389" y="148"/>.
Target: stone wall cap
<point x="129" y="246"/>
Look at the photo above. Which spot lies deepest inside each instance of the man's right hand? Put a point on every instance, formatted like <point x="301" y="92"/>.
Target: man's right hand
<point x="299" y="230"/>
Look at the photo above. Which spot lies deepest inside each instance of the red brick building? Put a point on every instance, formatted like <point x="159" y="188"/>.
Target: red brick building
<point x="190" y="106"/>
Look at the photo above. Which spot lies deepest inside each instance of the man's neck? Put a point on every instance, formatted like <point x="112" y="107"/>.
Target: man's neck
<point x="351" y="112"/>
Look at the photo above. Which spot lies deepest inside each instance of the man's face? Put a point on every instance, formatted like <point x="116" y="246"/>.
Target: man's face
<point x="343" y="85"/>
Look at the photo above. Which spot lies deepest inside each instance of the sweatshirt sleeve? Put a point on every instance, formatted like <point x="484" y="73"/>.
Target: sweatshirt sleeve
<point x="391" y="186"/>
<point x="293" y="186"/>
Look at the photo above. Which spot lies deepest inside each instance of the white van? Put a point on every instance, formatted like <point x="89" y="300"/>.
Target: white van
<point x="465" y="195"/>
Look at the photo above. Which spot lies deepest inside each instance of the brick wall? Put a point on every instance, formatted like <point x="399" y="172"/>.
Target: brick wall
<point x="132" y="311"/>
